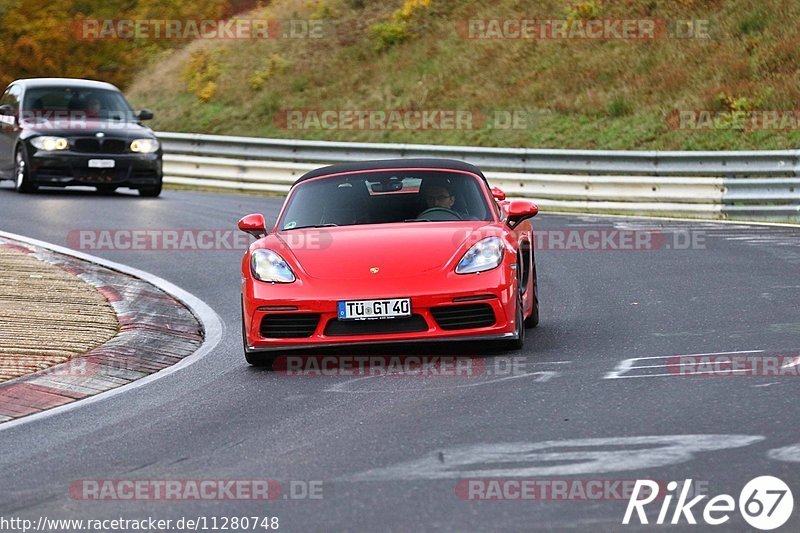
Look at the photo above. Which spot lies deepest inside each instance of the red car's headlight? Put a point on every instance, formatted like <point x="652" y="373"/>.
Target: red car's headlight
<point x="267" y="265"/>
<point x="485" y="254"/>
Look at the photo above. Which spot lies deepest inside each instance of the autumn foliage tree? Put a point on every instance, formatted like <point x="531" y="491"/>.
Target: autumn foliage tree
<point x="44" y="39"/>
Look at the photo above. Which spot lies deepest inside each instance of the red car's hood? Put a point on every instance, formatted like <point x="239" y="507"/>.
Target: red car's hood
<point x="396" y="250"/>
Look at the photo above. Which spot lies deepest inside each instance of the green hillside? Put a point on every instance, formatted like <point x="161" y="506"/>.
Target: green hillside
<point x="565" y="92"/>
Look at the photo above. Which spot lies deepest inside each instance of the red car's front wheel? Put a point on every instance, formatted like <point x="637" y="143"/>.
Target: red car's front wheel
<point x="533" y="320"/>
<point x="519" y="323"/>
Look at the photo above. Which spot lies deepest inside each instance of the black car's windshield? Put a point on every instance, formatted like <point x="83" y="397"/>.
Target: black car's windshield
<point x="385" y="197"/>
<point x="53" y="102"/>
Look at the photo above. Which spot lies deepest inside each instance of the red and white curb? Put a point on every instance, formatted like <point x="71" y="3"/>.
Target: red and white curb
<point x="162" y="329"/>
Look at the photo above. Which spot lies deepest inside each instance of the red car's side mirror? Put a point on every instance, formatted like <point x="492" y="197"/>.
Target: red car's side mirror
<point x="498" y="194"/>
<point x="519" y="210"/>
<point x="254" y="225"/>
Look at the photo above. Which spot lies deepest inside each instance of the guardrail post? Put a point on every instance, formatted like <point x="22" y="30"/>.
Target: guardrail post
<point x="797" y="163"/>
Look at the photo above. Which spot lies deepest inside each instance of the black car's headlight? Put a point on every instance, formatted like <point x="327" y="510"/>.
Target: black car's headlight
<point x="49" y="143"/>
<point x="144" y="146"/>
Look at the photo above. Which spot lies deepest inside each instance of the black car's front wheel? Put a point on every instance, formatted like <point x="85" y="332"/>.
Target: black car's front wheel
<point x="22" y="178"/>
<point x="150" y="192"/>
<point x="106" y="189"/>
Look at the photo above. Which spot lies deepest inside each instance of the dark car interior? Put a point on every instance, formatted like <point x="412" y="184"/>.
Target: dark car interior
<point x="93" y="103"/>
<point x="381" y="198"/>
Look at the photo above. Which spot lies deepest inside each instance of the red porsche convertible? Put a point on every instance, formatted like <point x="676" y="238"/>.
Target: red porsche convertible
<point x="389" y="251"/>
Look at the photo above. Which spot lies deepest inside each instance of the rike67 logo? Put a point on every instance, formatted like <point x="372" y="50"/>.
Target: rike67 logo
<point x="765" y="503"/>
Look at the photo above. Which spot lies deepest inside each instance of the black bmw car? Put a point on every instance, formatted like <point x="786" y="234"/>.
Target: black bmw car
<point x="58" y="132"/>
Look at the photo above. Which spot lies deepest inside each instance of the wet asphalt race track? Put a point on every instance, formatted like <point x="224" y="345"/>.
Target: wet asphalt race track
<point x="391" y="451"/>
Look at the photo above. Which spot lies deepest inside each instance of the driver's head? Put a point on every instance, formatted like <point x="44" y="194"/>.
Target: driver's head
<point x="439" y="196"/>
<point x="93" y="105"/>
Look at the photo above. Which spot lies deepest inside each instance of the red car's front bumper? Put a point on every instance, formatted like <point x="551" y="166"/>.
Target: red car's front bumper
<point x="486" y="310"/>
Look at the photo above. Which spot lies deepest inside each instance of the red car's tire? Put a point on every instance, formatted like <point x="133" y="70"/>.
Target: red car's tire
<point x="533" y="320"/>
<point x="519" y="330"/>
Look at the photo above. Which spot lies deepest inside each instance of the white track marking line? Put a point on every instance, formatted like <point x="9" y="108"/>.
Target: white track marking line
<point x="554" y="458"/>
<point x="694" y="355"/>
<point x="663" y="366"/>
<point x="544" y="376"/>
<point x="793" y="363"/>
<point x="621" y="368"/>
<point x="338" y="386"/>
<point x="213" y="326"/>
<point x="674" y="375"/>
<point x="787" y="453"/>
<point x="626" y="365"/>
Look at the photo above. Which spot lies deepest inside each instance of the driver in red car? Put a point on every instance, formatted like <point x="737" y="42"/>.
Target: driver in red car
<point x="439" y="196"/>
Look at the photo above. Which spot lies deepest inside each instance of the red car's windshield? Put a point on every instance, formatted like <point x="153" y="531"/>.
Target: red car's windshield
<point x="384" y="197"/>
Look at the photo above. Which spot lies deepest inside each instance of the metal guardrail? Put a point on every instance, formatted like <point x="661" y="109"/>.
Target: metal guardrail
<point x="762" y="185"/>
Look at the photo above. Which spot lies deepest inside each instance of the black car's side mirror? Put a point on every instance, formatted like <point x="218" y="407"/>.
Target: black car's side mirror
<point x="144" y="114"/>
<point x="6" y="109"/>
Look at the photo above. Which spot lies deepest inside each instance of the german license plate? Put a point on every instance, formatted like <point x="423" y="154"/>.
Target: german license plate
<point x="371" y="309"/>
<point x="101" y="163"/>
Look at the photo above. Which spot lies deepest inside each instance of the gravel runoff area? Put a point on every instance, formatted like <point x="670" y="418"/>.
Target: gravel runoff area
<point x="71" y="329"/>
<point x="47" y="315"/>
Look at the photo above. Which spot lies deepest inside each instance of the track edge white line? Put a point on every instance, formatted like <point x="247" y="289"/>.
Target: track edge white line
<point x="213" y="327"/>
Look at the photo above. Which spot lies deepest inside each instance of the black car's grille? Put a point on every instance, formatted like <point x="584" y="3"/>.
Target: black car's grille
<point x="408" y="324"/>
<point x="289" y="326"/>
<point x="91" y="145"/>
<point x="113" y="146"/>
<point x="86" y="145"/>
<point x="464" y="316"/>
